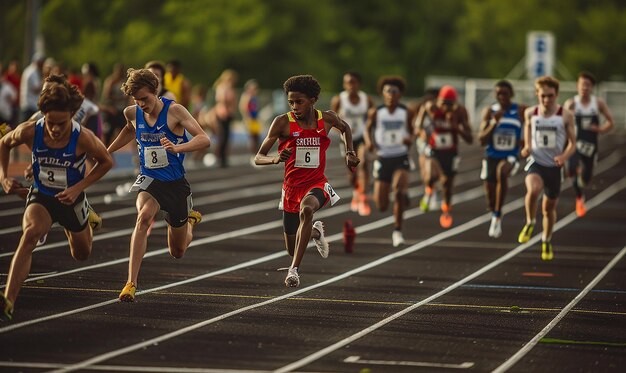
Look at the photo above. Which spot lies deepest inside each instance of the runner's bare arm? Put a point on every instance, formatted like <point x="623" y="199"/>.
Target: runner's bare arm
<point x="276" y="132"/>
<point x="22" y="134"/>
<point x="184" y="119"/>
<point x="127" y="133"/>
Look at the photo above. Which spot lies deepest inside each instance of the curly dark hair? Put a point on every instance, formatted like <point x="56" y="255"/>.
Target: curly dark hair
<point x="59" y="95"/>
<point x="138" y="79"/>
<point x="394" y="80"/>
<point x="506" y="84"/>
<point x="304" y="84"/>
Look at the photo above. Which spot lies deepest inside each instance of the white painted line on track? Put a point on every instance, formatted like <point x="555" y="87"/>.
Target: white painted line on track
<point x="601" y="197"/>
<point x="508" y="364"/>
<point x="462" y="197"/>
<point x="358" y="360"/>
<point x="147" y="343"/>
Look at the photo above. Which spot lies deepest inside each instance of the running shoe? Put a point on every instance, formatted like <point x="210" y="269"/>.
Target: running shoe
<point x="546" y="251"/>
<point x="6" y="309"/>
<point x="194" y="217"/>
<point x="321" y="243"/>
<point x="581" y="210"/>
<point x="95" y="221"/>
<point x="354" y="205"/>
<point x="445" y="220"/>
<point x="495" y="229"/>
<point x="293" y="279"/>
<point x="128" y="293"/>
<point x="364" y="206"/>
<point x="425" y="203"/>
<point x="42" y="239"/>
<point x="526" y="233"/>
<point x="396" y="238"/>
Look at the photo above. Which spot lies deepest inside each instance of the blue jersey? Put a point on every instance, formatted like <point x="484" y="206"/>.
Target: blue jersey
<point x="505" y="138"/>
<point x="154" y="160"/>
<point x="55" y="169"/>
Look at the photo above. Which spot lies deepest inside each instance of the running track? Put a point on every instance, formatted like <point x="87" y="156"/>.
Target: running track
<point x="450" y="300"/>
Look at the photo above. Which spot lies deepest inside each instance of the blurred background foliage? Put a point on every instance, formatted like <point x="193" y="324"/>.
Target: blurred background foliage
<point x="272" y="40"/>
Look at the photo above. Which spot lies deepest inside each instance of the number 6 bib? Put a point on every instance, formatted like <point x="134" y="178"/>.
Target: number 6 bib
<point x="307" y="157"/>
<point x="155" y="157"/>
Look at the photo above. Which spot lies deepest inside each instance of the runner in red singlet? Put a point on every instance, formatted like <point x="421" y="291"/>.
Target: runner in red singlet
<point x="303" y="140"/>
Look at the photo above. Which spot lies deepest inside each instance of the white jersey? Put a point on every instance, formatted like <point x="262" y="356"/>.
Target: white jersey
<point x="354" y="114"/>
<point x="548" y="137"/>
<point x="390" y="131"/>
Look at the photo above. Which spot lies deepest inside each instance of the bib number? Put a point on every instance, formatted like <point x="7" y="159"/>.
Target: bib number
<point x="443" y="140"/>
<point x="82" y="211"/>
<point x="392" y="137"/>
<point x="585" y="148"/>
<point x="504" y="141"/>
<point x="141" y="183"/>
<point x="586" y="123"/>
<point x="53" y="177"/>
<point x="334" y="197"/>
<point x="155" y="157"/>
<point x="546" y="139"/>
<point x="307" y="157"/>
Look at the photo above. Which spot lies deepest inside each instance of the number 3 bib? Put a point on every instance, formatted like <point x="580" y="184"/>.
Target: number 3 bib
<point x="155" y="157"/>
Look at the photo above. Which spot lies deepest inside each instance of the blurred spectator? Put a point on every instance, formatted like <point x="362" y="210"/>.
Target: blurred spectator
<point x="114" y="101"/>
<point x="175" y="82"/>
<point x="30" y="86"/>
<point x="8" y="97"/>
<point x="91" y="81"/>
<point x="12" y="75"/>
<point x="225" y="110"/>
<point x="158" y="69"/>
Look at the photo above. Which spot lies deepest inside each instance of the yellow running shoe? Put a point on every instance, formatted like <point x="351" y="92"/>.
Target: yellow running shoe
<point x="6" y="309"/>
<point x="194" y="217"/>
<point x="526" y="233"/>
<point x="546" y="251"/>
<point x="94" y="220"/>
<point x="128" y="293"/>
<point x="4" y="129"/>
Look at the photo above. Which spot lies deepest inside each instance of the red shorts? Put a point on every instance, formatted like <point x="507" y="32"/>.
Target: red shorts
<point x="292" y="196"/>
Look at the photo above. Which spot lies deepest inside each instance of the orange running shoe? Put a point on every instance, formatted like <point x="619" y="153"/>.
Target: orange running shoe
<point x="364" y="206"/>
<point x="445" y="220"/>
<point x="581" y="210"/>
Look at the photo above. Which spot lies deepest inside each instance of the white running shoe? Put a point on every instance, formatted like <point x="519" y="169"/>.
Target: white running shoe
<point x="397" y="239"/>
<point x="293" y="279"/>
<point x="495" y="229"/>
<point x="321" y="243"/>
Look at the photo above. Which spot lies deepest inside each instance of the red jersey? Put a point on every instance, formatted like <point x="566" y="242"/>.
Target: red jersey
<point x="308" y="160"/>
<point x="443" y="136"/>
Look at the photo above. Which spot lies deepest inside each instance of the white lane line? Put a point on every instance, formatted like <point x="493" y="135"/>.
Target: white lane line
<point x="508" y="364"/>
<point x="358" y="360"/>
<point x="601" y="197"/>
<point x="462" y="197"/>
<point x="127" y="368"/>
<point x="147" y="343"/>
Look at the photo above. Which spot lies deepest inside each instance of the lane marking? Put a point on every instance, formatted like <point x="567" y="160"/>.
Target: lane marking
<point x="601" y="197"/>
<point x="358" y="360"/>
<point x="131" y="368"/>
<point x="330" y="300"/>
<point x="461" y="197"/>
<point x="509" y="363"/>
<point x="539" y="288"/>
<point x="537" y="274"/>
<point x="590" y="343"/>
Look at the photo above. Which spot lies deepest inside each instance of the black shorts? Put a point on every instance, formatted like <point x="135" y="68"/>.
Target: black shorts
<point x="448" y="161"/>
<point x="384" y="168"/>
<point x="488" y="172"/>
<point x="71" y="217"/>
<point x="551" y="177"/>
<point x="587" y="164"/>
<point x="174" y="197"/>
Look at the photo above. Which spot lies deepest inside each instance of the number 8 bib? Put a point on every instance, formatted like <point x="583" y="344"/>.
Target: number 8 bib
<point x="155" y="157"/>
